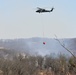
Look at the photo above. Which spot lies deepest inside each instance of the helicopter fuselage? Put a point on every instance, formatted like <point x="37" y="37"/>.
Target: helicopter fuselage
<point x="40" y="10"/>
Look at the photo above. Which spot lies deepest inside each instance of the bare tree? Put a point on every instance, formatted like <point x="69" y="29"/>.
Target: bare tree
<point x="65" y="47"/>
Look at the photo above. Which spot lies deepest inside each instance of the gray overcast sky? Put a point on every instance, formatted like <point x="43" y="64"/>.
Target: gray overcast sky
<point x="18" y="19"/>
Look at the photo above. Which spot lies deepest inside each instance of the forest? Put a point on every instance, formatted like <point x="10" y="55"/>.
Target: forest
<point x="38" y="65"/>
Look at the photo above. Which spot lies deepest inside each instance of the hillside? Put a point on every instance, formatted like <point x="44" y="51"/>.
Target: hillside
<point x="36" y="46"/>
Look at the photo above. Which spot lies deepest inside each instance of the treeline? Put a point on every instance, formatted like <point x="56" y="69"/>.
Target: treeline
<point x="38" y="65"/>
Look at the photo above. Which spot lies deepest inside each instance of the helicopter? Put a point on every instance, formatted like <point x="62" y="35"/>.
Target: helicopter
<point x="41" y="10"/>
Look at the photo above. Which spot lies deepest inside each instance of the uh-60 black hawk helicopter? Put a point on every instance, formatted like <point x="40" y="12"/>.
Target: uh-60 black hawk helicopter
<point x="41" y="10"/>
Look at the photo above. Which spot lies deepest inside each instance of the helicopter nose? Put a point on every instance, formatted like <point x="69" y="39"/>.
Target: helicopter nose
<point x="36" y="10"/>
